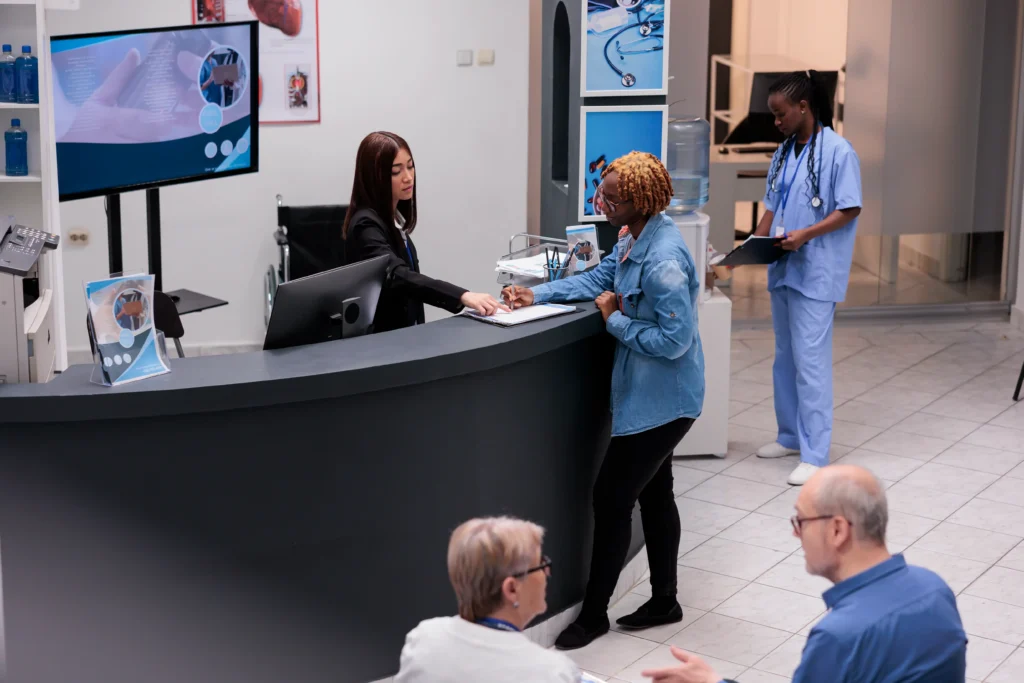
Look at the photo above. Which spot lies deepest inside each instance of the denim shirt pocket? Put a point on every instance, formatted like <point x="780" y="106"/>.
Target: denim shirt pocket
<point x="629" y="302"/>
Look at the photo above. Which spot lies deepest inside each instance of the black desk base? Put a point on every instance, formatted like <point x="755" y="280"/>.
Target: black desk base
<point x="187" y="301"/>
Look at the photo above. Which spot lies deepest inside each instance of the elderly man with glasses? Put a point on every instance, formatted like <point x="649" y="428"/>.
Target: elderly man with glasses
<point x="887" y="621"/>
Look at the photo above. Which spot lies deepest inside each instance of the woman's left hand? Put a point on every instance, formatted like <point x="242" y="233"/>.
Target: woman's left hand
<point x="607" y="303"/>
<point x="792" y="241"/>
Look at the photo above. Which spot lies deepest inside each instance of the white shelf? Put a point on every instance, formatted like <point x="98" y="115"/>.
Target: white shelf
<point x="21" y="179"/>
<point x="17" y="2"/>
<point x="17" y="105"/>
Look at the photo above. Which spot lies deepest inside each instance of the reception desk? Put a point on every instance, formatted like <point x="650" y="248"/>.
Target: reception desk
<point x="284" y="516"/>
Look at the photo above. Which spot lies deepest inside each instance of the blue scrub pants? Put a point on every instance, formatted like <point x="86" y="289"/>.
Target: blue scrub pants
<point x="802" y="373"/>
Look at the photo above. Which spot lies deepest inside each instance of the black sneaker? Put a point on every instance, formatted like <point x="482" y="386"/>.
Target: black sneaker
<point x="578" y="634"/>
<point x="652" y="614"/>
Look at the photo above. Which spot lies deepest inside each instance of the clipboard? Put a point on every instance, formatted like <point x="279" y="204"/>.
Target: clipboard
<point x="527" y="314"/>
<point x="754" y="251"/>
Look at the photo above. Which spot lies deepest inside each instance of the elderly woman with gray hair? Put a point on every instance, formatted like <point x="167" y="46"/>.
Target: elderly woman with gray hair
<point x="500" y="579"/>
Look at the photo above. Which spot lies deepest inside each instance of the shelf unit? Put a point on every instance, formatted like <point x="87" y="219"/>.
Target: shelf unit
<point x="34" y="200"/>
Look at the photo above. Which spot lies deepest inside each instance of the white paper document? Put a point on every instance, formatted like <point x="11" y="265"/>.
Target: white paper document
<point x="522" y="315"/>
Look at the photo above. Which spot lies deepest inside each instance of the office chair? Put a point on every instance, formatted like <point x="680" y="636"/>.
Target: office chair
<point x="310" y="242"/>
<point x="165" y="319"/>
<point x="1020" y="382"/>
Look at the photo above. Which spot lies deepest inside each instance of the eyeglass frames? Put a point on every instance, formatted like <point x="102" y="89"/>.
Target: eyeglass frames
<point x="544" y="566"/>
<point x="798" y="522"/>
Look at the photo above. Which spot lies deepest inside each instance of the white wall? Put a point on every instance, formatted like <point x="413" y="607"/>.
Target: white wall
<point x="813" y="31"/>
<point x="388" y="65"/>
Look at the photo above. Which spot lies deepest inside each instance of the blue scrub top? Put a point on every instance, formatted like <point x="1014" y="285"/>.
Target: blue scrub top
<point x="821" y="268"/>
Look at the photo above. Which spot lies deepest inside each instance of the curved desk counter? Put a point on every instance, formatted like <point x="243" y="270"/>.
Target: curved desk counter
<point x="284" y="516"/>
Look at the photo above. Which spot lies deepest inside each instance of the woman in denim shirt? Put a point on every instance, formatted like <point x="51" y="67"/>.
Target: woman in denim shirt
<point x="647" y="291"/>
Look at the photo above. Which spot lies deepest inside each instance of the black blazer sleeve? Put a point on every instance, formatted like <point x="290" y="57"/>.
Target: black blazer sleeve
<point x="367" y="239"/>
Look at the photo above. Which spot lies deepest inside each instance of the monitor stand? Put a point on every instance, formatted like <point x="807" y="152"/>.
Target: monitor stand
<point x="341" y="323"/>
<point x="186" y="301"/>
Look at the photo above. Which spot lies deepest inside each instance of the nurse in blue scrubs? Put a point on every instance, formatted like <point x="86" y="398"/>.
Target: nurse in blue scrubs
<point x="813" y="200"/>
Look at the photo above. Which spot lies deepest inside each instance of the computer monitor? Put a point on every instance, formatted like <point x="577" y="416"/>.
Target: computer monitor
<point x="759" y="124"/>
<point x="335" y="304"/>
<point x="140" y="109"/>
<point x="762" y="83"/>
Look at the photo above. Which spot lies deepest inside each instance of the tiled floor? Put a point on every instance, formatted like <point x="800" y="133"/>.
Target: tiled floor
<point x="927" y="408"/>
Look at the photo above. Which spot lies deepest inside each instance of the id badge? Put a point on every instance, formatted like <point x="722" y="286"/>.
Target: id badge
<point x="780" y="231"/>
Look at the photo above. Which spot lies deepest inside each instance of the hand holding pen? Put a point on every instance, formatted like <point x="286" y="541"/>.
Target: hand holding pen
<point x="517" y="297"/>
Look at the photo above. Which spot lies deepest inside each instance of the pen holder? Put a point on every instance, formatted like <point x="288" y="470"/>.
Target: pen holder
<point x="552" y="273"/>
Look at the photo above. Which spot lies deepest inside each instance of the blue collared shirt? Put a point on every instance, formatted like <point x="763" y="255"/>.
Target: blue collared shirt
<point x="658" y="376"/>
<point x="893" y="622"/>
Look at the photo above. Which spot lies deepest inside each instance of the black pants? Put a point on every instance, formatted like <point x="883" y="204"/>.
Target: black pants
<point x="638" y="466"/>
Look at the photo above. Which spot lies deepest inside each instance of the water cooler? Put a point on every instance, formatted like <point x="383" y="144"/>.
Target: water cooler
<point x="689" y="142"/>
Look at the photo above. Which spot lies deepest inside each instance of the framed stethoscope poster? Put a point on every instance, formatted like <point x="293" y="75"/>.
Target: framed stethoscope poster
<point x="607" y="133"/>
<point x="625" y="48"/>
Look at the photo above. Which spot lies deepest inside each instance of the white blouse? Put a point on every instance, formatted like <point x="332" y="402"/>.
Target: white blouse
<point x="453" y="650"/>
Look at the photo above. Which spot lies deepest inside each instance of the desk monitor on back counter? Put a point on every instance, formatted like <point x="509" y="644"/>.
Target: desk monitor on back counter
<point x="335" y="304"/>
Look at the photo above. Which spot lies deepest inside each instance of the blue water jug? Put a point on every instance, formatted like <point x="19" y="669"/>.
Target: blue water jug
<point x="16" y="150"/>
<point x="689" y="147"/>
<point x="8" y="79"/>
<point x="27" y="71"/>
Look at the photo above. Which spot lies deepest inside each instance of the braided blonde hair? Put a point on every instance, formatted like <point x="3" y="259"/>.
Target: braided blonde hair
<point x="644" y="180"/>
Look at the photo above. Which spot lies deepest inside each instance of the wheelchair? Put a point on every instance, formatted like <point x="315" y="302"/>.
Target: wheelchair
<point x="309" y="241"/>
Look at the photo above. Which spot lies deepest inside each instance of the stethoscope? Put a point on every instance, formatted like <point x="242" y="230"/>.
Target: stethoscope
<point x="647" y="28"/>
<point x="816" y="199"/>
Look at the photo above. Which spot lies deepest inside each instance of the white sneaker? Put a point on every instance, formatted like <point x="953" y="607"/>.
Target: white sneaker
<point x="802" y="473"/>
<point x="775" y="450"/>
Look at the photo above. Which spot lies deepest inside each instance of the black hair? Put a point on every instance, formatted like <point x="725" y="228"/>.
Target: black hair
<point x="797" y="86"/>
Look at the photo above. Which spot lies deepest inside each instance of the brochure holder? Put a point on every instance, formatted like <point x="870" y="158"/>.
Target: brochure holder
<point x="126" y="345"/>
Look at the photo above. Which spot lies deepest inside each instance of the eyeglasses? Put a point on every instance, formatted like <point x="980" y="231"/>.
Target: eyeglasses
<point x="798" y="522"/>
<point x="609" y="204"/>
<point x="544" y="566"/>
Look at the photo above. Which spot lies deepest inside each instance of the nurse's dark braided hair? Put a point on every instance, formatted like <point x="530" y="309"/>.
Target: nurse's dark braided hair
<point x="796" y="86"/>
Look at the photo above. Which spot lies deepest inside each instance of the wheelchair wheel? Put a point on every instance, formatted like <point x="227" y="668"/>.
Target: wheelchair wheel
<point x="270" y="283"/>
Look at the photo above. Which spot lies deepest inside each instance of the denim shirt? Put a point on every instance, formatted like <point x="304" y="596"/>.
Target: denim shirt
<point x="658" y="376"/>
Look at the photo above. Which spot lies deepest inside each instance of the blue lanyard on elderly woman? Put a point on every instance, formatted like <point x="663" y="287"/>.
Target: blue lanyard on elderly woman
<point x="497" y="624"/>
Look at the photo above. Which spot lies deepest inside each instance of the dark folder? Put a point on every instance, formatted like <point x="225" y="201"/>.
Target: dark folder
<point x="756" y="250"/>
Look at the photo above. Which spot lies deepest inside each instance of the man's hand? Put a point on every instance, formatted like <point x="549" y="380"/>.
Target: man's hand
<point x="693" y="670"/>
<point x="796" y="239"/>
<point x="607" y="303"/>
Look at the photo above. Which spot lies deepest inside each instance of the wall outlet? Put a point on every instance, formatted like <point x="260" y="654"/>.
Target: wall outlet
<point x="79" y="237"/>
<point x="485" y="57"/>
<point x="464" y="57"/>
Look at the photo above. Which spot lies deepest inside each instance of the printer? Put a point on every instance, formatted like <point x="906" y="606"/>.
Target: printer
<point x="27" y="340"/>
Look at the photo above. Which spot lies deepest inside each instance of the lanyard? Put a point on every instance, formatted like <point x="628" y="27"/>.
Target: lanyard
<point x="497" y="624"/>
<point x="787" y="189"/>
<point x="408" y="251"/>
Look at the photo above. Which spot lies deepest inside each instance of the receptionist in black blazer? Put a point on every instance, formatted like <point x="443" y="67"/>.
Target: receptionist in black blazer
<point x="380" y="221"/>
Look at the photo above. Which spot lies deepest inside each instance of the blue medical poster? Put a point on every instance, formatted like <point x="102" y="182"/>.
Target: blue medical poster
<point x="626" y="48"/>
<point x="123" y="329"/>
<point x="607" y="133"/>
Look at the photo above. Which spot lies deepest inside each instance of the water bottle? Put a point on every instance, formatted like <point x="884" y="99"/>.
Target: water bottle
<point x="27" y="71"/>
<point x="8" y="80"/>
<point x="16" y="149"/>
<point x="689" y="145"/>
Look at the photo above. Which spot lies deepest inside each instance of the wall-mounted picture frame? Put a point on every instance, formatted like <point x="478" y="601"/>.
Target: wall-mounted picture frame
<point x="607" y="133"/>
<point x="625" y="48"/>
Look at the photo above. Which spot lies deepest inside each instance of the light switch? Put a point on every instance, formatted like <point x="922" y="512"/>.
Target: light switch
<point x="464" y="57"/>
<point x="485" y="57"/>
